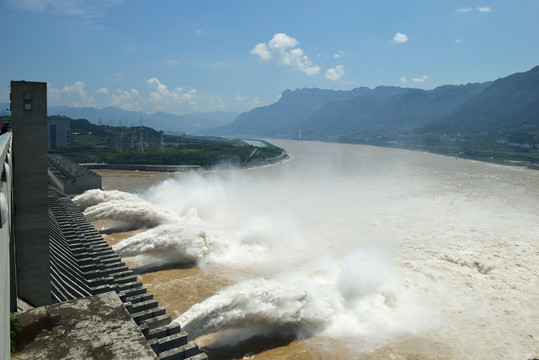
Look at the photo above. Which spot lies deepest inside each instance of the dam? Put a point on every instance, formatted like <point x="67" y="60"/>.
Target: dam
<point x="73" y="295"/>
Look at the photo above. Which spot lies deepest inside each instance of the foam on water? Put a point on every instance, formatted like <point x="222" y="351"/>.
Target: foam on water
<point x="124" y="207"/>
<point x="98" y="196"/>
<point x="349" y="241"/>
<point x="363" y="299"/>
<point x="169" y="243"/>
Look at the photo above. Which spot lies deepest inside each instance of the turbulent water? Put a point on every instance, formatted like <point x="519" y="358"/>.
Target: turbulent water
<point x="379" y="251"/>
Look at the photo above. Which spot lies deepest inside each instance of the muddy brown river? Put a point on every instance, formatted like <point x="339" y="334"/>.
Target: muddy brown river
<point x="343" y="252"/>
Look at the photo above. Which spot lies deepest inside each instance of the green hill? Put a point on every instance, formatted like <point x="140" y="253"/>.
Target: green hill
<point x="498" y="119"/>
<point x="143" y="145"/>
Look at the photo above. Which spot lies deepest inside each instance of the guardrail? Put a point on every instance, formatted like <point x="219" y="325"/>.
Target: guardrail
<point x="6" y="207"/>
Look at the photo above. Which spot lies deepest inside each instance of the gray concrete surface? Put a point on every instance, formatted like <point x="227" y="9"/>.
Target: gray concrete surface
<point x="31" y="225"/>
<point x="96" y="327"/>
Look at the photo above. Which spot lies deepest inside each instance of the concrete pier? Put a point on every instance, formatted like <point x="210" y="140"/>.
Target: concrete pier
<point x="70" y="178"/>
<point x="96" y="327"/>
<point x="31" y="225"/>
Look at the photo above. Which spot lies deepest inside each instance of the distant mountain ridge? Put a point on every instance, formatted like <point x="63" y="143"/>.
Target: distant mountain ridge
<point x="188" y="123"/>
<point x="322" y="114"/>
<point x="385" y="110"/>
<point x="508" y="104"/>
<point x="292" y="108"/>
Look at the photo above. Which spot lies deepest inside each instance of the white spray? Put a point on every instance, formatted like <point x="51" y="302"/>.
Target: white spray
<point x="359" y="246"/>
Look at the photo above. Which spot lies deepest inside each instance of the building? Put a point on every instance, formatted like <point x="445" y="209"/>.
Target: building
<point x="58" y="132"/>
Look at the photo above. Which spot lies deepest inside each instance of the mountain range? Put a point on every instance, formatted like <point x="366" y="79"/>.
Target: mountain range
<point x="508" y="104"/>
<point x="170" y="123"/>
<point x="188" y="123"/>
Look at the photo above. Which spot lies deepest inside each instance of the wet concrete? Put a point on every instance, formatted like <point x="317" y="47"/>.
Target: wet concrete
<point x="96" y="327"/>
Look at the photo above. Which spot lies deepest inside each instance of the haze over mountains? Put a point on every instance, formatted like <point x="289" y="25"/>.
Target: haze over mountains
<point x="509" y="103"/>
<point x="189" y="123"/>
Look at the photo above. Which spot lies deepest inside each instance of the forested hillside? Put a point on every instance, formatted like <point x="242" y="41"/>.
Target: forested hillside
<point x="143" y="145"/>
<point x="498" y="119"/>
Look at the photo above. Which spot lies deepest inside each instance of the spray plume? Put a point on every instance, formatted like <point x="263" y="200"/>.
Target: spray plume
<point x="354" y="242"/>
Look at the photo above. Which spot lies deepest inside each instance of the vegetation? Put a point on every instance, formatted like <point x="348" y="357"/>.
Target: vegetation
<point x="496" y="120"/>
<point x="143" y="145"/>
<point x="15" y="328"/>
<point x="500" y="145"/>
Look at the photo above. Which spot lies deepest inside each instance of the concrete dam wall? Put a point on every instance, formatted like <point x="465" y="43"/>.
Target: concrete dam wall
<point x="84" y="265"/>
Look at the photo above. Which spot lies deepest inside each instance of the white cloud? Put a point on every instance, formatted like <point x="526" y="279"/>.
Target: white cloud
<point x="255" y="101"/>
<point x="421" y="79"/>
<point x="484" y="9"/>
<point x="216" y="103"/>
<point x="53" y="93"/>
<point x="403" y="79"/>
<point x="85" y="8"/>
<point x="480" y="9"/>
<point x="400" y="38"/>
<point x="126" y="100"/>
<point x="155" y="97"/>
<point x="282" y="50"/>
<point x="335" y="73"/>
<point x="72" y="95"/>
<point x="161" y="97"/>
<point x="339" y="54"/>
<point x="199" y="32"/>
<point x="77" y="88"/>
<point x="262" y="51"/>
<point x="459" y="41"/>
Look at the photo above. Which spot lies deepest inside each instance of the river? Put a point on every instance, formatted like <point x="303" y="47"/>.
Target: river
<point x="342" y="252"/>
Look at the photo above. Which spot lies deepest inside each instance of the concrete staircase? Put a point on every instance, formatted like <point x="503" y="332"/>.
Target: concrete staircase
<point x="83" y="264"/>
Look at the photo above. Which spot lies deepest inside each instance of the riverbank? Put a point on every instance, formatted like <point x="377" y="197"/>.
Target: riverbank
<point x="463" y="155"/>
<point x="179" y="168"/>
<point x="458" y="155"/>
<point x="141" y="167"/>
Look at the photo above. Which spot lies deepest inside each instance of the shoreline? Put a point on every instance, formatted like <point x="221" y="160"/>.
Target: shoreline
<point x="506" y="162"/>
<point x="180" y="168"/>
<point x="284" y="156"/>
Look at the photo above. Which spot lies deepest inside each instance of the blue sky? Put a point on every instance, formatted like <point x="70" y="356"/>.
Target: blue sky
<point x="184" y="56"/>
